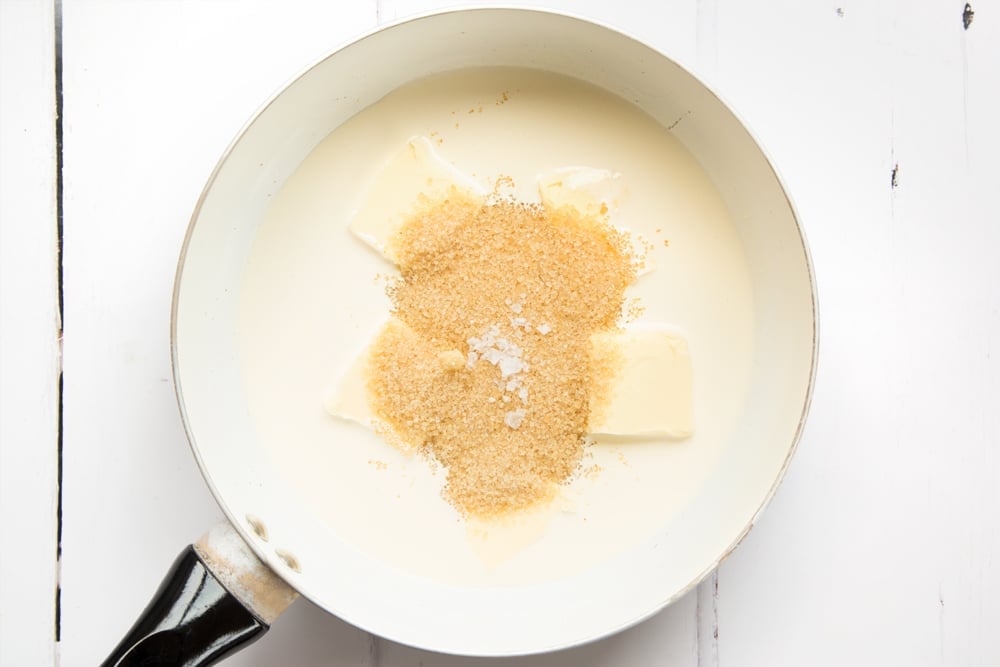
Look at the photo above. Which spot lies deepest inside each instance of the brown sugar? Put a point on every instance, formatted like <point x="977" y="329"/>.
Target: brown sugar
<point x="486" y="366"/>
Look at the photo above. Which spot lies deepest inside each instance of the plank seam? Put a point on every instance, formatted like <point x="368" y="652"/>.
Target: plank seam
<point x="374" y="650"/>
<point x="57" y="26"/>
<point x="707" y="622"/>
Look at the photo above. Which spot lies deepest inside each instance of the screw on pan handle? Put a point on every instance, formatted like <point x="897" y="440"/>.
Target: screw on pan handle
<point x="192" y="620"/>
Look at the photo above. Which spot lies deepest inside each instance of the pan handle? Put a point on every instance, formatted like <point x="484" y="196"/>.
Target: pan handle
<point x="216" y="598"/>
<point x="192" y="620"/>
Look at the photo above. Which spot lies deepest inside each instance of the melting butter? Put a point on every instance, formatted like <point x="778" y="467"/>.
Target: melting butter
<point x="416" y="172"/>
<point x="651" y="392"/>
<point x="498" y="539"/>
<point x="592" y="192"/>
<point x="348" y="399"/>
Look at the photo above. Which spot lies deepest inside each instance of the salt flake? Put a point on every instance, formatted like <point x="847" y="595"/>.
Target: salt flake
<point x="512" y="365"/>
<point x="515" y="418"/>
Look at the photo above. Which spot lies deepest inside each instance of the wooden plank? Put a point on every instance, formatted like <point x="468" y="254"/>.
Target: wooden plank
<point x="153" y="94"/>
<point x="29" y="334"/>
<point x="880" y="547"/>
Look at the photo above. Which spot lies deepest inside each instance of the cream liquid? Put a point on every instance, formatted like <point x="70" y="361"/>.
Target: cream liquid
<point x="312" y="300"/>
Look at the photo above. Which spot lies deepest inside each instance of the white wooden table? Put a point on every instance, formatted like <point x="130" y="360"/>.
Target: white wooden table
<point x="881" y="548"/>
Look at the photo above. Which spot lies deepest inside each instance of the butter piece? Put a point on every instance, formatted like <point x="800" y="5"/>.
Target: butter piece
<point x="651" y="392"/>
<point x="415" y="171"/>
<point x="349" y="398"/>
<point x="589" y="191"/>
<point x="595" y="193"/>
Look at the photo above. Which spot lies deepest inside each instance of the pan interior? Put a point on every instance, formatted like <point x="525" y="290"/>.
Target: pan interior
<point x="275" y="298"/>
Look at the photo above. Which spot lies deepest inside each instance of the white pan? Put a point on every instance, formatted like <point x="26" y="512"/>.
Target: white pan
<point x="330" y="545"/>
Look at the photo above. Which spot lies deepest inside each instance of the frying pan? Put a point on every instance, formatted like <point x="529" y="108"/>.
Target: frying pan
<point x="277" y="543"/>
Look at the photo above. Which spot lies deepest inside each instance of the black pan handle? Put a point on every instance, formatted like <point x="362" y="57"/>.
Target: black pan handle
<point x="192" y="620"/>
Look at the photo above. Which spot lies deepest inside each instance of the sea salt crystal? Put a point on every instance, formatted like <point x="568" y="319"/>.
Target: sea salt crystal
<point x="509" y="365"/>
<point x="506" y="355"/>
<point x="515" y="418"/>
<point x="507" y="346"/>
<point x="516" y="307"/>
<point x="543" y="329"/>
<point x="494" y="356"/>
